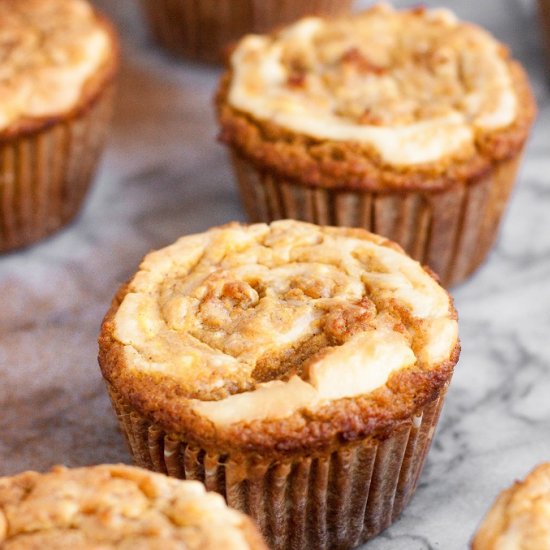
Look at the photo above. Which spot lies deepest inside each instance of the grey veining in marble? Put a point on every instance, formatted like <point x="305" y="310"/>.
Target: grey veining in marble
<point x="163" y="175"/>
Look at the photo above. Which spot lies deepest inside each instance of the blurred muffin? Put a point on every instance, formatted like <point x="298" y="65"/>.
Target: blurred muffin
<point x="407" y="123"/>
<point x="107" y="507"/>
<point x="201" y="30"/>
<point x="297" y="370"/>
<point x="544" y="15"/>
<point x="520" y="517"/>
<point x="59" y="58"/>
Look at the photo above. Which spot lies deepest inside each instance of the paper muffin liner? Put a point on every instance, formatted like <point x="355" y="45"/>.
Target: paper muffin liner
<point x="201" y="30"/>
<point x="451" y="231"/>
<point x="544" y="14"/>
<point x="336" y="500"/>
<point x="44" y="175"/>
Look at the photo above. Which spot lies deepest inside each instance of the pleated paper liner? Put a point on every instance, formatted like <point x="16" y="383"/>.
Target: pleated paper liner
<point x="202" y="29"/>
<point x="44" y="175"/>
<point x="336" y="501"/>
<point x="544" y="16"/>
<point x="451" y="231"/>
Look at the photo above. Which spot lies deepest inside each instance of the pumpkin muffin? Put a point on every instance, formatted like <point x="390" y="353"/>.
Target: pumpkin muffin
<point x="407" y="123"/>
<point x="520" y="517"/>
<point x="117" y="507"/>
<point x="544" y="15"/>
<point x="202" y="30"/>
<point x="297" y="370"/>
<point x="59" y="58"/>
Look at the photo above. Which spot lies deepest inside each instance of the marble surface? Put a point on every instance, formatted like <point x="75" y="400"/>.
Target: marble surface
<point x="164" y="175"/>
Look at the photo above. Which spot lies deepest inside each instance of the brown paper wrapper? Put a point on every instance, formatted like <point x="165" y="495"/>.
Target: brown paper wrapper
<point x="44" y="175"/>
<point x="544" y="14"/>
<point x="334" y="501"/>
<point x="451" y="231"/>
<point x="202" y="29"/>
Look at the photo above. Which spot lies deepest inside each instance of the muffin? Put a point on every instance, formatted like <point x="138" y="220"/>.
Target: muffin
<point x="407" y="123"/>
<point x="297" y="370"/>
<point x="520" y="517"/>
<point x="544" y="16"/>
<point x="116" y="506"/>
<point x="202" y="30"/>
<point x="59" y="58"/>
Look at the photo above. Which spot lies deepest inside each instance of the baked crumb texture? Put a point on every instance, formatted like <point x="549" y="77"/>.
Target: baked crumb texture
<point x="56" y="86"/>
<point x="407" y="123"/>
<point x="520" y="517"/>
<point x="202" y="30"/>
<point x="267" y="361"/>
<point x="49" y="50"/>
<point x="117" y="507"/>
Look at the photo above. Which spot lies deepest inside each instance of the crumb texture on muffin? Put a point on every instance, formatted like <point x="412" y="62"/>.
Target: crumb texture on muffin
<point x="264" y="321"/>
<point x="416" y="85"/>
<point x="117" y="506"/>
<point x="49" y="50"/>
<point x="520" y="517"/>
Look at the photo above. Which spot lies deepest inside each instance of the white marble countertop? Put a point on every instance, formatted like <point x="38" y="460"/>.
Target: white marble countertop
<point x="164" y="175"/>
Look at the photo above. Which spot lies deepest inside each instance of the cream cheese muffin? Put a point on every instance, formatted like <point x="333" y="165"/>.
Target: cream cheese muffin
<point x="520" y="517"/>
<point x="408" y="123"/>
<point x="58" y="61"/>
<point x="544" y="18"/>
<point x="298" y="370"/>
<point x="203" y="30"/>
<point x="117" y="507"/>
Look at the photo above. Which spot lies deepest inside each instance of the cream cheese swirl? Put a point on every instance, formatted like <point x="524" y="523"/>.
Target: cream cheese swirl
<point x="415" y="85"/>
<point x="48" y="51"/>
<point x="257" y="322"/>
<point x="112" y="507"/>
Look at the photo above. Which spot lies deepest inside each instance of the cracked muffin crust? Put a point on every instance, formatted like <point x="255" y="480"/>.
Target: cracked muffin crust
<point x="117" y="507"/>
<point x="392" y="120"/>
<point x="280" y="338"/>
<point x="520" y="517"/>
<point x="50" y="52"/>
<point x="59" y="61"/>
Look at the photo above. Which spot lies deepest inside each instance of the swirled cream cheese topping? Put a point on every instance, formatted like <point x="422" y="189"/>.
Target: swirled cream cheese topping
<point x="48" y="50"/>
<point x="260" y="321"/>
<point x="114" y="507"/>
<point x="520" y="518"/>
<point x="415" y="85"/>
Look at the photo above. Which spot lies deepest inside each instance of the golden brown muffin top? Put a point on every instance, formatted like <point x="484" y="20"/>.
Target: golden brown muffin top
<point x="49" y="49"/>
<point x="266" y="322"/>
<point x="520" y="517"/>
<point x="117" y="507"/>
<point x="416" y="85"/>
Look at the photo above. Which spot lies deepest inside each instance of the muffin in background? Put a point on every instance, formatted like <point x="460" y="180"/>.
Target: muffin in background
<point x="520" y="517"/>
<point x="202" y="30"/>
<point x="408" y="123"/>
<point x="117" y="507"/>
<point x="297" y="370"/>
<point x="544" y="15"/>
<point x="59" y="60"/>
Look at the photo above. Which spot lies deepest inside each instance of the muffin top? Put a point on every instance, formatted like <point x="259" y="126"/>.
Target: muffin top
<point x="49" y="49"/>
<point x="520" y="517"/>
<point x="415" y="85"/>
<point x="275" y="323"/>
<point x="117" y="507"/>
